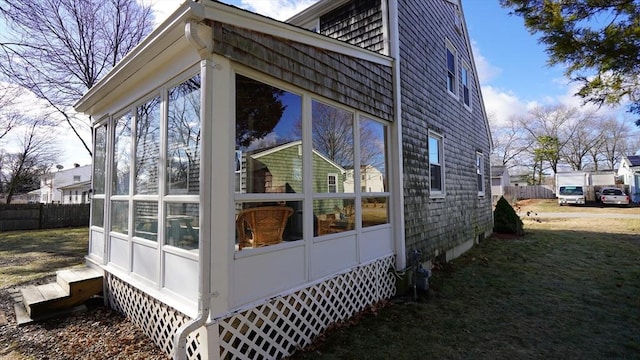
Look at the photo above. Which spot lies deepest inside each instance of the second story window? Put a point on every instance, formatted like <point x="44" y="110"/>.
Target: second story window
<point x="451" y="70"/>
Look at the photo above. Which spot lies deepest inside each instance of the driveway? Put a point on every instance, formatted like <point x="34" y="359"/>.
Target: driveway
<point x="582" y="215"/>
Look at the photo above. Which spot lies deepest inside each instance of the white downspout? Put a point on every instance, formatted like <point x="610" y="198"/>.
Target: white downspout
<point x="205" y="49"/>
<point x="396" y="139"/>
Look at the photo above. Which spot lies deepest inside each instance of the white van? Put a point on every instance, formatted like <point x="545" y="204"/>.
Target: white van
<point x="571" y="194"/>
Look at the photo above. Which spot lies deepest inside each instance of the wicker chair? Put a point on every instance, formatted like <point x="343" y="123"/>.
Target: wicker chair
<point x="262" y="226"/>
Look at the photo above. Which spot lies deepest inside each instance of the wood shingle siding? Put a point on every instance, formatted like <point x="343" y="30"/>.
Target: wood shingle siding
<point x="357" y="22"/>
<point x="354" y="82"/>
<point x="435" y="225"/>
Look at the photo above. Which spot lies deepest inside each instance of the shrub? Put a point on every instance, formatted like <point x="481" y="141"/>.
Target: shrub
<point x="505" y="219"/>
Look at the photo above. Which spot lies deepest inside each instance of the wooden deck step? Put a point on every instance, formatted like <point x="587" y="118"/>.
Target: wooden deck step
<point x="72" y="288"/>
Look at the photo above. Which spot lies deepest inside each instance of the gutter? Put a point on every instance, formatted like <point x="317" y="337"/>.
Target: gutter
<point x="192" y="31"/>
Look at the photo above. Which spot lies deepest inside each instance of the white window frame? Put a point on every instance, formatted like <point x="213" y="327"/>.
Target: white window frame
<point x="335" y="184"/>
<point x="480" y="173"/>
<point x="466" y="85"/>
<point x="437" y="193"/>
<point x="451" y="78"/>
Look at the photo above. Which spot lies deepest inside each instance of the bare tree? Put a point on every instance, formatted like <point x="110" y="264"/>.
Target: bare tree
<point x="57" y="49"/>
<point x="549" y="129"/>
<point x="36" y="153"/>
<point x="586" y="135"/>
<point x="9" y="118"/>
<point x="510" y="143"/>
<point x="615" y="142"/>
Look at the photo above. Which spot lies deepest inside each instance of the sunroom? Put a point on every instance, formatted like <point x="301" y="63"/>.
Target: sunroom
<point x="242" y="182"/>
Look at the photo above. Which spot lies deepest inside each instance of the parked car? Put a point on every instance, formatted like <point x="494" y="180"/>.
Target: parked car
<point x="612" y="196"/>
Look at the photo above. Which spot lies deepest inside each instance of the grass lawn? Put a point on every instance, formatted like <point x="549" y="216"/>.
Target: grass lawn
<point x="568" y="289"/>
<point x="29" y="255"/>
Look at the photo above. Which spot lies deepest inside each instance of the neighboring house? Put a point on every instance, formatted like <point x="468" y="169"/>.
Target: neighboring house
<point x="499" y="180"/>
<point x="629" y="170"/>
<point x="519" y="180"/>
<point x="76" y="193"/>
<point x="371" y="179"/>
<point x="343" y="85"/>
<point x="73" y="183"/>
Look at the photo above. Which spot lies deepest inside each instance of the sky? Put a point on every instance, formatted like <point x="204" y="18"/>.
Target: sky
<point x="512" y="66"/>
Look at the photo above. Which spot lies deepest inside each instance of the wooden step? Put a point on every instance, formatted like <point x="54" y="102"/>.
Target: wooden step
<point x="39" y="299"/>
<point x="72" y="287"/>
<point x="77" y="280"/>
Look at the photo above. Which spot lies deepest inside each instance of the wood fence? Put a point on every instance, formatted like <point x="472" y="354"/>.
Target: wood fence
<point x="43" y="216"/>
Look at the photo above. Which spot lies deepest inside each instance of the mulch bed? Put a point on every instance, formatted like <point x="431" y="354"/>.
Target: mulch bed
<point x="98" y="333"/>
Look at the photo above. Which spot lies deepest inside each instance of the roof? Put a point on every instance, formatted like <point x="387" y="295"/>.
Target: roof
<point x="634" y="160"/>
<point x="498" y="170"/>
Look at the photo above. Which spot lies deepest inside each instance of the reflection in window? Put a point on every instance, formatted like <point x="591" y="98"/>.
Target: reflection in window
<point x="333" y="216"/>
<point x="332" y="134"/>
<point x="374" y="211"/>
<point x="97" y="212"/>
<point x="268" y="138"/>
<point x="435" y="162"/>
<point x="99" y="159"/>
<point x="183" y="138"/>
<point x="373" y="159"/>
<point x="147" y="147"/>
<point x="260" y="224"/>
<point x="145" y="220"/>
<point x="332" y="183"/>
<point x="122" y="156"/>
<point x="120" y="217"/>
<point x="182" y="225"/>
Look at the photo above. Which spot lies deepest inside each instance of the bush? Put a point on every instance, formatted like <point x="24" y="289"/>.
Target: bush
<point x="505" y="219"/>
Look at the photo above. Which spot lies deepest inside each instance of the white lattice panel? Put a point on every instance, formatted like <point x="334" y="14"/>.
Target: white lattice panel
<point x="157" y="320"/>
<point x="280" y="326"/>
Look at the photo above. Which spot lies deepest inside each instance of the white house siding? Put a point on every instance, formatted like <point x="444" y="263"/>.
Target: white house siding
<point x="436" y="225"/>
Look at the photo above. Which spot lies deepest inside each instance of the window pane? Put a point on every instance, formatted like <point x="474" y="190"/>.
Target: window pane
<point x="374" y="211"/>
<point x="145" y="219"/>
<point x="434" y="151"/>
<point x="122" y="156"/>
<point x="260" y="224"/>
<point x="147" y="147"/>
<point x="182" y="225"/>
<point x="97" y="212"/>
<point x="268" y="138"/>
<point x="99" y="159"/>
<point x="373" y="159"/>
<point x="120" y="217"/>
<point x="436" y="177"/>
<point x="183" y="138"/>
<point x="333" y="216"/>
<point x="332" y="131"/>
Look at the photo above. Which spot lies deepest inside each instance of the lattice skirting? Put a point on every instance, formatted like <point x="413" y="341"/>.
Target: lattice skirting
<point x="272" y="330"/>
<point x="280" y="326"/>
<point x="156" y="319"/>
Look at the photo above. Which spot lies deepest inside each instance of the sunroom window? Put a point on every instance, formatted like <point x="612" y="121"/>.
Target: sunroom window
<point x="373" y="169"/>
<point x="268" y="164"/>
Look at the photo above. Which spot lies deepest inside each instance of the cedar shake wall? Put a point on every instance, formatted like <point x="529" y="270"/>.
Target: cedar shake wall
<point x="436" y="225"/>
<point x="354" y="82"/>
<point x="358" y="22"/>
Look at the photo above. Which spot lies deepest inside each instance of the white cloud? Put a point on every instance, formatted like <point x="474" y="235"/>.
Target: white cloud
<point x="486" y="71"/>
<point x="277" y="9"/>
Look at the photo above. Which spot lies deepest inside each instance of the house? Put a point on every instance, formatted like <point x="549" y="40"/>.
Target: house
<point x="499" y="180"/>
<point x="629" y="170"/>
<point x="70" y="186"/>
<point x="186" y="164"/>
<point x="519" y="180"/>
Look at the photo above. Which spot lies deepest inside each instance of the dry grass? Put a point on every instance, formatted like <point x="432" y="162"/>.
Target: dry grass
<point x="29" y="255"/>
<point x="570" y="288"/>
